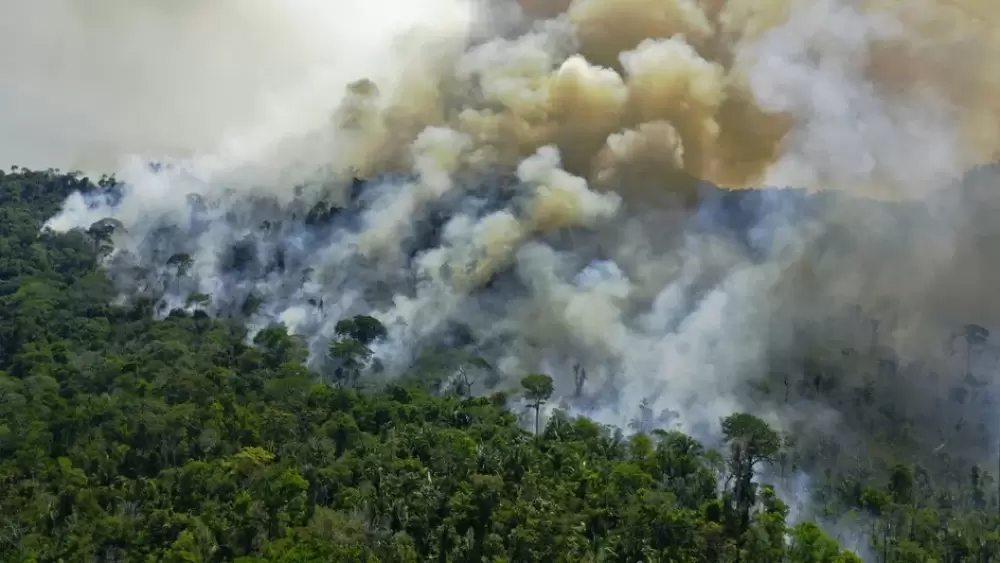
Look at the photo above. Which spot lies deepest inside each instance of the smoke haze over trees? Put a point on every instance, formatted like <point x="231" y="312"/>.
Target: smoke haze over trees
<point x="675" y="211"/>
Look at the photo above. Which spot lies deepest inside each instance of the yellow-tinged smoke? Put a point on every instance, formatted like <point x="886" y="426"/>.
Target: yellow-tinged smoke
<point x="478" y="249"/>
<point x="644" y="96"/>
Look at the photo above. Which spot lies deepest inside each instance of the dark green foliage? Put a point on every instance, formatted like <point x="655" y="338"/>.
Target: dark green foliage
<point x="128" y="439"/>
<point x="350" y="351"/>
<point x="361" y="328"/>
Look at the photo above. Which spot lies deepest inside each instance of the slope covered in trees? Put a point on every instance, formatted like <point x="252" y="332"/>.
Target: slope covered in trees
<point x="125" y="438"/>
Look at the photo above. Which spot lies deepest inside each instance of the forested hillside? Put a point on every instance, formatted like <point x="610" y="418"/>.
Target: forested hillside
<point x="125" y="438"/>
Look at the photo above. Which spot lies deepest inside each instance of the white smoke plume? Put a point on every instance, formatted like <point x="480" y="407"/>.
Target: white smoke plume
<point x="87" y="83"/>
<point x="533" y="176"/>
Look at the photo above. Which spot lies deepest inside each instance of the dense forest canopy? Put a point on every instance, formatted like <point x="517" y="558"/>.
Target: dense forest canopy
<point x="127" y="436"/>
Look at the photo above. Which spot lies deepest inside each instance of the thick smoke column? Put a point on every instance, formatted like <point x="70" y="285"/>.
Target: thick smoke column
<point x="536" y="179"/>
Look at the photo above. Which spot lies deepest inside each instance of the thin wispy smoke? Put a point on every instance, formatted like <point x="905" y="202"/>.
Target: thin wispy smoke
<point x="88" y="83"/>
<point x="533" y="181"/>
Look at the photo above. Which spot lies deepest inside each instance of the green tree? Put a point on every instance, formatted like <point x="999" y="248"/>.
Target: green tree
<point x="811" y="545"/>
<point x="751" y="442"/>
<point x="199" y="300"/>
<point x="350" y="350"/>
<point x="100" y="234"/>
<point x="538" y="389"/>
<point x="181" y="263"/>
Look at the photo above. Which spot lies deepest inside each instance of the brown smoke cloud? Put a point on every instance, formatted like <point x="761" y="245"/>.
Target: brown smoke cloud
<point x="643" y="96"/>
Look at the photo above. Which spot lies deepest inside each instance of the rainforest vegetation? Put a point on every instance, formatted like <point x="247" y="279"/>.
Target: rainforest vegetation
<point x="131" y="436"/>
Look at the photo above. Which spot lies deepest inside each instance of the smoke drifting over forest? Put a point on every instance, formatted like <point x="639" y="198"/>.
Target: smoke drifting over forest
<point x="537" y="180"/>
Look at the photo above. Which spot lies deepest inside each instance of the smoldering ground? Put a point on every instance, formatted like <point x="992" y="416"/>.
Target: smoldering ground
<point x="543" y="184"/>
